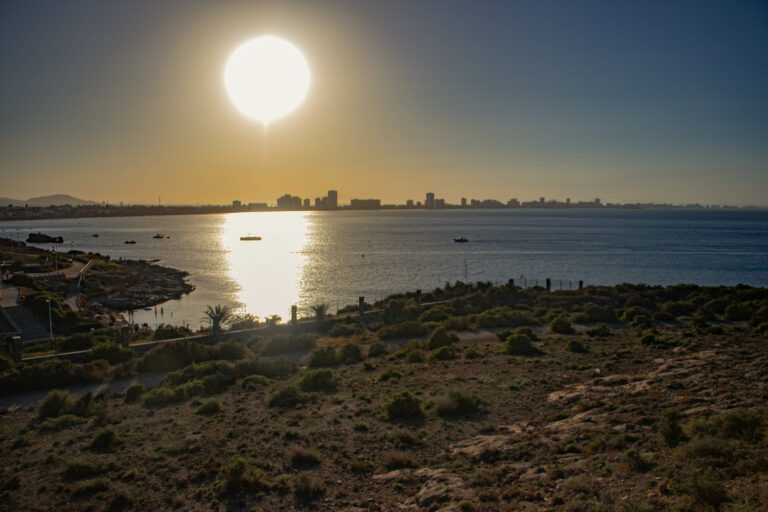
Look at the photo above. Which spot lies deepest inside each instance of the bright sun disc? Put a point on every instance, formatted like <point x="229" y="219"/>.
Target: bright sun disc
<point x="266" y="78"/>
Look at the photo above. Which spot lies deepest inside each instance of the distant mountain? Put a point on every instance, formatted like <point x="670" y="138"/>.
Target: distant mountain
<point x="56" y="199"/>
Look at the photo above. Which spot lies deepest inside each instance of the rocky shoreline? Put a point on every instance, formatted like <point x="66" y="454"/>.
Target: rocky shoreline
<point x="145" y="285"/>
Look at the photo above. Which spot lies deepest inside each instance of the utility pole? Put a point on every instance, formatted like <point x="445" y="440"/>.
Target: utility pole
<point x="50" y="323"/>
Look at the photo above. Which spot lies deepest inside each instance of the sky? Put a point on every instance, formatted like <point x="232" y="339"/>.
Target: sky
<point x="653" y="101"/>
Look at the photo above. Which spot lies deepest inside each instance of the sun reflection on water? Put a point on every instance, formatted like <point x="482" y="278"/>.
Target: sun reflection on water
<point x="268" y="271"/>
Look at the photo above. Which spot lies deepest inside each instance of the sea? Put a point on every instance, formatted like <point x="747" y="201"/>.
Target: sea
<point x="305" y="258"/>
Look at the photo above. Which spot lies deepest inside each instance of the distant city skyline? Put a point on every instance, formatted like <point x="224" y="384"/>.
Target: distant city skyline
<point x="627" y="101"/>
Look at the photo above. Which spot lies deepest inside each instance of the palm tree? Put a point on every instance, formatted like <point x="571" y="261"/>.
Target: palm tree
<point x="320" y="310"/>
<point x="217" y="315"/>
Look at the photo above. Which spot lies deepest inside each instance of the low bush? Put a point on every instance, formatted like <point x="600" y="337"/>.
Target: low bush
<point x="112" y="353"/>
<point x="441" y="338"/>
<point x="54" y="373"/>
<point x="160" y="397"/>
<point x="458" y="403"/>
<point x="641" y="322"/>
<point x="576" y="346"/>
<point x="402" y="330"/>
<point x="670" y="429"/>
<point x="239" y="477"/>
<point x="472" y="353"/>
<point x="230" y="351"/>
<point x="105" y="441"/>
<point x="174" y="355"/>
<point x="209" y="408"/>
<point x="169" y="332"/>
<point x="392" y="373"/>
<point x="435" y="314"/>
<point x="348" y="326"/>
<point x="457" y="323"/>
<point x="633" y="311"/>
<point x="519" y="345"/>
<point x="349" y="353"/>
<point x="399" y="460"/>
<point x="561" y="325"/>
<point x="377" y="349"/>
<point x="404" y="406"/>
<point x="405" y="350"/>
<point x="308" y="487"/>
<point x="593" y="313"/>
<point x="302" y="457"/>
<point x="134" y="392"/>
<point x="400" y="310"/>
<point x="288" y="398"/>
<point x="78" y="469"/>
<point x="254" y="382"/>
<point x="55" y="404"/>
<point x="599" y="331"/>
<point x="745" y="425"/>
<point x="737" y="312"/>
<point x="648" y="339"/>
<point x="323" y="357"/>
<point x="319" y="380"/>
<point x="444" y="354"/>
<point x="62" y="422"/>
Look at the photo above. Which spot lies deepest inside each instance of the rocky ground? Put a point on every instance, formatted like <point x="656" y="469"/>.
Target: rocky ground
<point x="675" y="425"/>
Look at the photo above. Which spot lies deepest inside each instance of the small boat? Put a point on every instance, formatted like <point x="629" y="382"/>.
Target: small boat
<point x="130" y="241"/>
<point x="249" y="238"/>
<point x="95" y="235"/>
<point x="460" y="239"/>
<point x="159" y="235"/>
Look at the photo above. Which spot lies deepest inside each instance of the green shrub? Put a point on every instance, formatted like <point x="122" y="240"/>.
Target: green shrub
<point x="415" y="356"/>
<point x="78" y="469"/>
<point x="641" y="322"/>
<point x="737" y="312"/>
<point x="239" y="477"/>
<point x="169" y="332"/>
<point x="55" y="404"/>
<point x="576" y="346"/>
<point x="307" y="486"/>
<point x="398" y="310"/>
<point x="648" y="339"/>
<point x="443" y="354"/>
<point x="472" y="353"/>
<point x="54" y="373"/>
<point x="519" y="345"/>
<point x="254" y="382"/>
<point x="745" y="425"/>
<point x="62" y="422"/>
<point x="288" y="398"/>
<point x="594" y="313"/>
<point x="458" y="403"/>
<point x="319" y="380"/>
<point x="322" y="357"/>
<point x="669" y="428"/>
<point x="526" y="331"/>
<point x="349" y="353"/>
<point x="134" y="392"/>
<point x="81" y="341"/>
<point x="230" y="351"/>
<point x="457" y="323"/>
<point x="706" y="489"/>
<point x="174" y="355"/>
<point x="112" y="353"/>
<point x="302" y="457"/>
<point x="599" y="331"/>
<point x="209" y="408"/>
<point x="160" y="397"/>
<point x="561" y="325"/>
<point x="377" y="349"/>
<point x="441" y="338"/>
<point x="633" y="311"/>
<point x="435" y="314"/>
<point x="404" y="406"/>
<point x="402" y="330"/>
<point x="105" y="441"/>
<point x="392" y="373"/>
<point x="348" y="326"/>
<point x="408" y="348"/>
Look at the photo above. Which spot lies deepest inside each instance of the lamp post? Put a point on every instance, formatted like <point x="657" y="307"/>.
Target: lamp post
<point x="50" y="323"/>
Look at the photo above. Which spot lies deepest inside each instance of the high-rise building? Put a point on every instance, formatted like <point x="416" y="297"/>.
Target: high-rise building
<point x="463" y="202"/>
<point x="333" y="199"/>
<point x="430" y="201"/>
<point x="409" y="203"/>
<point x="306" y="203"/>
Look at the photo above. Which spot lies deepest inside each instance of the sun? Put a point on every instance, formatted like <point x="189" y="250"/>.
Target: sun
<point x="267" y="78"/>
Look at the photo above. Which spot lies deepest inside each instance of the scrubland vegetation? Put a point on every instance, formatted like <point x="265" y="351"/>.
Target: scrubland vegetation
<point x="627" y="398"/>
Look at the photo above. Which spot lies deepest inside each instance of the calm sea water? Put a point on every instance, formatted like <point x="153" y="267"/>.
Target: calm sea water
<point x="334" y="257"/>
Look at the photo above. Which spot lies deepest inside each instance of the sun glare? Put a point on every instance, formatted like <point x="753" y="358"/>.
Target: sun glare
<point x="267" y="78"/>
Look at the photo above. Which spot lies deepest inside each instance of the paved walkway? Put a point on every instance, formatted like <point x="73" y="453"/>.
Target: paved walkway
<point x="9" y="295"/>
